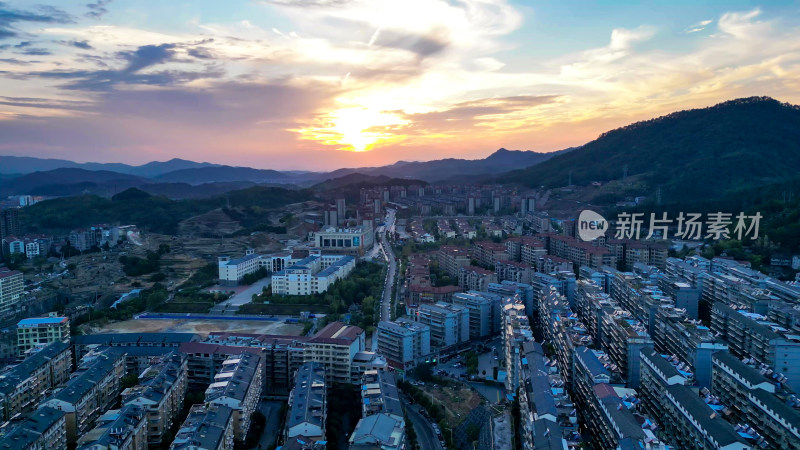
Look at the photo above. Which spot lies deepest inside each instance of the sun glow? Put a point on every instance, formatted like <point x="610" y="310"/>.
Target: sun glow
<point x="356" y="129"/>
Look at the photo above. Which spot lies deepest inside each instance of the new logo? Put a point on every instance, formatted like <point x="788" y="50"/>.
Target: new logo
<point x="591" y="225"/>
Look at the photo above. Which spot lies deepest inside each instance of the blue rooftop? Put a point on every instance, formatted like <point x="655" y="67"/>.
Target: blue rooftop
<point x="34" y="321"/>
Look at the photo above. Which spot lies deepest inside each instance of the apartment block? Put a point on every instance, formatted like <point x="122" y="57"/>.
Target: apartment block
<point x="160" y="394"/>
<point x="22" y="386"/>
<point x="487" y="253"/>
<point x="383" y="431"/>
<point x="614" y="424"/>
<point x="753" y="336"/>
<point x="207" y="427"/>
<point x="516" y="331"/>
<point x="86" y="343"/>
<point x="238" y="386"/>
<point x="754" y="400"/>
<point x="513" y="271"/>
<point x="548" y="418"/>
<point x="43" y="429"/>
<point x="690" y="341"/>
<point x="308" y="407"/>
<point x="93" y="390"/>
<point x="623" y="338"/>
<point x="118" y="429"/>
<point x="448" y="323"/>
<point x="452" y="259"/>
<point x="404" y="343"/>
<point x="39" y="331"/>
<point x="658" y="372"/>
<point x="10" y="291"/>
<point x="335" y="346"/>
<point x="473" y="278"/>
<point x="485" y="317"/>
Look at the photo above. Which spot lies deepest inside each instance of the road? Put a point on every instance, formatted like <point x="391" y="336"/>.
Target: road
<point x="386" y="301"/>
<point x="231" y="305"/>
<point x="426" y="437"/>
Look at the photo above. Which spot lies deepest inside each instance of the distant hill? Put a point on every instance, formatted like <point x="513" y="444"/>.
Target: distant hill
<point x="154" y="213"/>
<point x="690" y="155"/>
<point x="218" y="174"/>
<point x="68" y="182"/>
<point x="362" y="180"/>
<point x="26" y="164"/>
<point x="500" y="161"/>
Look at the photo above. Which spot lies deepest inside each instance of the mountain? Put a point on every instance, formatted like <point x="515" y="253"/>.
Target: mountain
<point x="60" y="182"/>
<point x="26" y="164"/>
<point x="361" y="180"/>
<point x="688" y="155"/>
<point x="225" y="174"/>
<point x="156" y="168"/>
<point x="500" y="161"/>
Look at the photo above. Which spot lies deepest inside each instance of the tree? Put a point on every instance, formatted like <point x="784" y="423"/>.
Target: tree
<point x="423" y="372"/>
<point x="129" y="380"/>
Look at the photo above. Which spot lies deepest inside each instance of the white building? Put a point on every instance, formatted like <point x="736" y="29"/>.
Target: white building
<point x="231" y="271"/>
<point x="10" y="290"/>
<point x="312" y="275"/>
<point x="352" y="241"/>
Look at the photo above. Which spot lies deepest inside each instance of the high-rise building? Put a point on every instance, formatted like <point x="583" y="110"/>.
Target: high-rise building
<point x="341" y="210"/>
<point x="10" y="291"/>
<point x="449" y="324"/>
<point x="9" y="222"/>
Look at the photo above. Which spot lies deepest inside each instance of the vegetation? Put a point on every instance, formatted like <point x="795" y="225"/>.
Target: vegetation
<point x="362" y="287"/>
<point x="251" y="278"/>
<point x="134" y="266"/>
<point x="153" y="213"/>
<point x="344" y="410"/>
<point x="701" y="153"/>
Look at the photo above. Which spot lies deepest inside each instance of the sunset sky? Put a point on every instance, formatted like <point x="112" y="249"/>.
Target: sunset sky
<point x="323" y="84"/>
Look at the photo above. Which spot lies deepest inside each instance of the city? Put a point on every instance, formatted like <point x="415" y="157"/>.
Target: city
<point x="354" y="269"/>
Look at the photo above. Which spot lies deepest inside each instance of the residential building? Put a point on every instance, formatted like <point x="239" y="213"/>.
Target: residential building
<point x="756" y="401"/>
<point x="623" y="338"/>
<point x="751" y="335"/>
<point x="403" y="342"/>
<point x="379" y="431"/>
<point x="238" y="386"/>
<point x="94" y="389"/>
<point x="452" y="259"/>
<point x="23" y="386"/>
<point x="160" y="393"/>
<point x="308" y="407"/>
<point x="487" y="253"/>
<point x="40" y="331"/>
<point x="614" y="425"/>
<point x="448" y="323"/>
<point x="474" y="278"/>
<point x="11" y="289"/>
<point x="9" y="222"/>
<point x="335" y="346"/>
<point x="484" y="311"/>
<point x="207" y="427"/>
<point x="43" y="429"/>
<point x="85" y="343"/>
<point x="379" y="394"/>
<point x="312" y="275"/>
<point x="516" y="331"/>
<point x="118" y="429"/>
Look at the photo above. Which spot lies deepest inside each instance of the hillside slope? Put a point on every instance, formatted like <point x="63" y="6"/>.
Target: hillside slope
<point x="700" y="153"/>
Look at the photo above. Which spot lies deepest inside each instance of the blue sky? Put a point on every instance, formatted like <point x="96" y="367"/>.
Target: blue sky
<point x="320" y="84"/>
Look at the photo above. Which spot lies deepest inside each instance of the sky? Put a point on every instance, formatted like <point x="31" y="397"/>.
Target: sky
<point x="324" y="84"/>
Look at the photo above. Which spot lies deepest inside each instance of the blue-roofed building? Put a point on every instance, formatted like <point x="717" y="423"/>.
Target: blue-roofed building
<point x="40" y="331"/>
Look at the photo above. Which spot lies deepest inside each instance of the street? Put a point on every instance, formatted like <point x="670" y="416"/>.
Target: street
<point x="386" y="301"/>
<point x="231" y="305"/>
<point x="426" y="437"/>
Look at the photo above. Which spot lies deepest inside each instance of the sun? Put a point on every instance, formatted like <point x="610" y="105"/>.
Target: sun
<point x="357" y="129"/>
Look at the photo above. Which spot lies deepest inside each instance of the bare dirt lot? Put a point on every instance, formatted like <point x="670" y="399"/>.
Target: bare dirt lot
<point x="202" y="327"/>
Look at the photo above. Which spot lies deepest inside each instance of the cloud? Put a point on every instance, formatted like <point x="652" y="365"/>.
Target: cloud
<point x="84" y="44"/>
<point x="14" y="61"/>
<point x="35" y="52"/>
<point x="147" y="55"/>
<point x="699" y="26"/>
<point x="97" y="9"/>
<point x="41" y="14"/>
